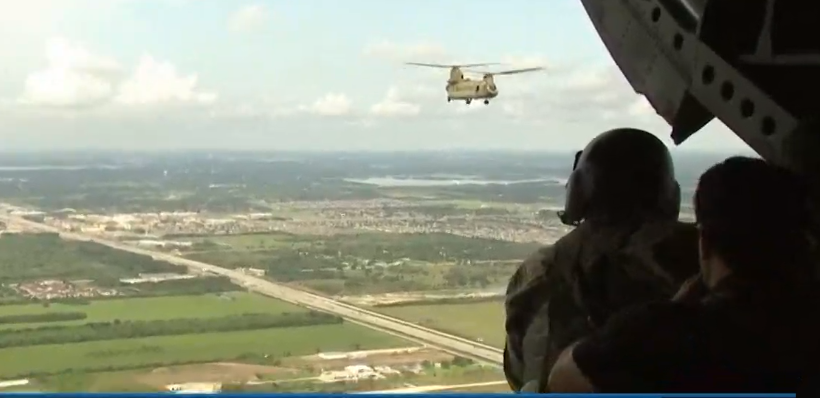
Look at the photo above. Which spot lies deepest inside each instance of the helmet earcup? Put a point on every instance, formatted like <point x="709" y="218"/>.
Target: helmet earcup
<point x="577" y="198"/>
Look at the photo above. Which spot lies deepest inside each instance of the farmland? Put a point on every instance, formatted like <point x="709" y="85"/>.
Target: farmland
<point x="154" y="308"/>
<point x="476" y="320"/>
<point x="74" y="299"/>
<point x="171" y="350"/>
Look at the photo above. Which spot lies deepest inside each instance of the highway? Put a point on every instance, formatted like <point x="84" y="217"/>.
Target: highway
<point x="444" y="341"/>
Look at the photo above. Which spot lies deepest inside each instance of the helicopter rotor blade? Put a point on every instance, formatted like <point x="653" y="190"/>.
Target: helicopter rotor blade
<point x="510" y="72"/>
<point x="449" y="66"/>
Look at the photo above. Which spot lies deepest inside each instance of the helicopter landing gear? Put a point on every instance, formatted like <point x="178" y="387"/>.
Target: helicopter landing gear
<point x="486" y="102"/>
<point x="469" y="101"/>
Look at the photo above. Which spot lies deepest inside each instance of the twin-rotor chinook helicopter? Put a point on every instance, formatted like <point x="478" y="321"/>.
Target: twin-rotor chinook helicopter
<point x="466" y="89"/>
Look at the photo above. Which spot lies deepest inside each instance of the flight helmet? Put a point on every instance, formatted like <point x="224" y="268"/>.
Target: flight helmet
<point x="622" y="174"/>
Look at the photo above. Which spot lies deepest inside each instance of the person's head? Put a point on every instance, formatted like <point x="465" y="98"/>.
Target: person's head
<point x="622" y="175"/>
<point x="753" y="221"/>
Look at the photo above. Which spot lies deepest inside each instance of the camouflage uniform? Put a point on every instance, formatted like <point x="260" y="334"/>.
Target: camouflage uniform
<point x="628" y="248"/>
<point x="544" y="313"/>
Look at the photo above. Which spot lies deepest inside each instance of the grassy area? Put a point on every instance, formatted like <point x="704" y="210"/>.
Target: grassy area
<point x="473" y="320"/>
<point x="123" y="381"/>
<point x="204" y="347"/>
<point x="270" y="241"/>
<point x="156" y="308"/>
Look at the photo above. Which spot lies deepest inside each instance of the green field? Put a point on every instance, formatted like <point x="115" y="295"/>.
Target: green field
<point x="252" y="241"/>
<point x="206" y="347"/>
<point x="156" y="308"/>
<point x="483" y="320"/>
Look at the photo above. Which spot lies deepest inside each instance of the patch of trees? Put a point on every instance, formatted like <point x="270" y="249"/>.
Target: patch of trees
<point x="285" y="265"/>
<point x="436" y="247"/>
<point x="117" y="329"/>
<point x="443" y="301"/>
<point x="42" y="318"/>
<point x="326" y="258"/>
<point x="26" y="257"/>
<point x="188" y="287"/>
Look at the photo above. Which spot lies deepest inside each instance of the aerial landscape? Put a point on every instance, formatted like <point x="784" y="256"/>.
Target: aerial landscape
<point x="205" y="196"/>
<point x="93" y="252"/>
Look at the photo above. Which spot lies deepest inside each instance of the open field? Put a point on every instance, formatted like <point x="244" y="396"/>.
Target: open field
<point x="428" y="375"/>
<point x="156" y="379"/>
<point x="268" y="241"/>
<point x="483" y="320"/>
<point x="155" y="308"/>
<point x="293" y="374"/>
<point x="206" y="347"/>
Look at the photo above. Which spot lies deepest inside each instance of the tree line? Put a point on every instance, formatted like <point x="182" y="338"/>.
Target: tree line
<point x="42" y="318"/>
<point x="27" y="257"/>
<point x="117" y="329"/>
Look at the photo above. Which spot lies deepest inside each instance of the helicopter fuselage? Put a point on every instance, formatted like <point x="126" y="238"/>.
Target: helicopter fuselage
<point x="468" y="90"/>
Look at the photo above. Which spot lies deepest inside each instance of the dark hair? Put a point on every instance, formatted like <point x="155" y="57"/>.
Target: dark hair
<point x="755" y="216"/>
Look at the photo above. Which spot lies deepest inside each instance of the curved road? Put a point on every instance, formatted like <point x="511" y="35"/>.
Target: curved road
<point x="447" y="342"/>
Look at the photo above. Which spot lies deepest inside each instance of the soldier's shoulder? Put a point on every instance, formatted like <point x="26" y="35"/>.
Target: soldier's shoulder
<point x="530" y="273"/>
<point x="537" y="263"/>
<point x="678" y="251"/>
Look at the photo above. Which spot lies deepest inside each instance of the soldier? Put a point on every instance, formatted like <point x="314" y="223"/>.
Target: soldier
<point x="748" y="323"/>
<point x="628" y="247"/>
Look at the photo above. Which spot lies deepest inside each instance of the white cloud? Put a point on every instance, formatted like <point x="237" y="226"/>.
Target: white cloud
<point x="332" y="104"/>
<point x="418" y="52"/>
<point x="155" y="82"/>
<point x="248" y="18"/>
<point x="76" y="77"/>
<point x="73" y="77"/>
<point x="394" y="106"/>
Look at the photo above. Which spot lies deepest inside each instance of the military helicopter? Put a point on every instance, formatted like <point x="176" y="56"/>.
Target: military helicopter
<point x="466" y="89"/>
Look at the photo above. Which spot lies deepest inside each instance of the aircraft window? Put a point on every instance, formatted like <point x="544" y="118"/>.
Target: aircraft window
<point x="727" y="91"/>
<point x="767" y="126"/>
<point x="708" y="75"/>
<point x="656" y="14"/>
<point x="677" y="41"/>
<point x="747" y="108"/>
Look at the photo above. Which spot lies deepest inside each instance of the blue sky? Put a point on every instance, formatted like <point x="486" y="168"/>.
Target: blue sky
<point x="308" y="74"/>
